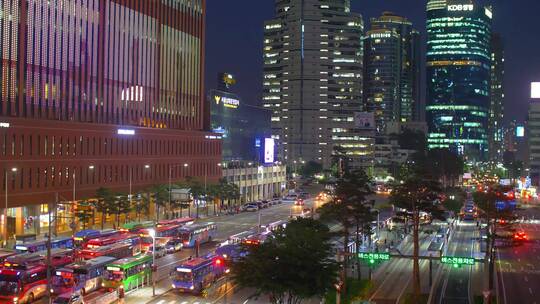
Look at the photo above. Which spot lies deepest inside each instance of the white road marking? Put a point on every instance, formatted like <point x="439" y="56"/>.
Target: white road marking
<point x="530" y="290"/>
<point x="526" y="279"/>
<point x="245" y="302"/>
<point x="161" y="302"/>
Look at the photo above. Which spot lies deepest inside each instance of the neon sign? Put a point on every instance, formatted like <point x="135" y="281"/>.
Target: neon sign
<point x="460" y="7"/>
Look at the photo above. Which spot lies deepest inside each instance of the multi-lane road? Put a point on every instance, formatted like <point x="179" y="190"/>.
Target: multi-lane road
<point x="227" y="226"/>
<point x="518" y="265"/>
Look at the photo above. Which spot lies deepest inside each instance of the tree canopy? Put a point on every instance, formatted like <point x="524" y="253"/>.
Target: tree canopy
<point x="311" y="168"/>
<point x="294" y="264"/>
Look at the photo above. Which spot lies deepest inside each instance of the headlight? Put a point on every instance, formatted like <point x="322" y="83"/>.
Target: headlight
<point x="192" y="287"/>
<point x="52" y="290"/>
<point x="173" y="286"/>
<point x="15" y="300"/>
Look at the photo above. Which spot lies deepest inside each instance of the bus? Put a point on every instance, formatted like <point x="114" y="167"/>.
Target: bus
<point x="256" y="238"/>
<point x="112" y="239"/>
<point x="275" y="225"/>
<point x="240" y="237"/>
<point x="83" y="277"/>
<point x="178" y="221"/>
<point x="24" y="277"/>
<point x="118" y="250"/>
<point x="196" y="274"/>
<point x="128" y="273"/>
<point x="136" y="226"/>
<point x="163" y="235"/>
<point x="200" y="233"/>
<point x="81" y="237"/>
<point x="65" y="242"/>
<point x="231" y="252"/>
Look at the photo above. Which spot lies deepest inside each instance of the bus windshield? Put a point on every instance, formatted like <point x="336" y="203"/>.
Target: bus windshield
<point x="115" y="275"/>
<point x="146" y="240"/>
<point x="184" y="276"/>
<point x="9" y="285"/>
<point x="62" y="281"/>
<point x="185" y="236"/>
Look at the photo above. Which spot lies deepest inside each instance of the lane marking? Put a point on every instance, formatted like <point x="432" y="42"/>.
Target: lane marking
<point x="530" y="290"/>
<point x="501" y="276"/>
<point x="526" y="279"/>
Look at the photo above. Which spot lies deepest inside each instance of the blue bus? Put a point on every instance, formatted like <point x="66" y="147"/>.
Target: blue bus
<point x="83" y="277"/>
<point x="196" y="274"/>
<point x="201" y="233"/>
<point x="231" y="252"/>
<point x="84" y="235"/>
<point x="65" y="243"/>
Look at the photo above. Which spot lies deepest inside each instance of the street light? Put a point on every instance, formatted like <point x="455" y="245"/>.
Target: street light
<point x="152" y="234"/>
<point x="6" y="207"/>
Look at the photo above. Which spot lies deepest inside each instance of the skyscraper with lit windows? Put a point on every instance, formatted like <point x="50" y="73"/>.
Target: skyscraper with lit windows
<point x="99" y="93"/>
<point x="312" y="81"/>
<point x="392" y="70"/>
<point x="496" y="110"/>
<point x="458" y="76"/>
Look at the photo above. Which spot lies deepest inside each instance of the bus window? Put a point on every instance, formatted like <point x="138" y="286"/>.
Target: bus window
<point x="9" y="285"/>
<point x="184" y="276"/>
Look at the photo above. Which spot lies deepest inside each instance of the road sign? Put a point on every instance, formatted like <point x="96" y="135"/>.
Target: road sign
<point x="373" y="257"/>
<point x="457" y="261"/>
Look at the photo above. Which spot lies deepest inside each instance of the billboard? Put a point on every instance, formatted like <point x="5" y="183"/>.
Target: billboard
<point x="226" y="101"/>
<point x="364" y="120"/>
<point x="535" y="89"/>
<point x="520" y="131"/>
<point x="269" y="146"/>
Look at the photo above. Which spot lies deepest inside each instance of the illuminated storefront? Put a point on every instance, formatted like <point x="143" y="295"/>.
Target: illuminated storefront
<point x="458" y="77"/>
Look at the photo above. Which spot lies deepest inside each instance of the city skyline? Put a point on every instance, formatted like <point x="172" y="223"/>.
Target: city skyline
<point x="247" y="35"/>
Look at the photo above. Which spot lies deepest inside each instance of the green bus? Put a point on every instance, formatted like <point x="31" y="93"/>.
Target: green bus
<point x="128" y="273"/>
<point x="134" y="226"/>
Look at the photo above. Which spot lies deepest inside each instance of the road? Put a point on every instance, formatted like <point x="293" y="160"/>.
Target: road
<point x="227" y="226"/>
<point x="393" y="279"/>
<point x="455" y="284"/>
<point x="518" y="267"/>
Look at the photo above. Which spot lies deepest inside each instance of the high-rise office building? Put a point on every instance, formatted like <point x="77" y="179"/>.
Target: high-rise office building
<point x="96" y="94"/>
<point x="496" y="109"/>
<point x="242" y="126"/>
<point x="533" y="134"/>
<point x="313" y="81"/>
<point x="392" y="70"/>
<point x="458" y="76"/>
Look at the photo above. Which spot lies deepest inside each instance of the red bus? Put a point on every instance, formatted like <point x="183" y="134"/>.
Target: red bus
<point x="24" y="277"/>
<point x="118" y="250"/>
<point x="164" y="234"/>
<point x="178" y="221"/>
<point x="112" y="239"/>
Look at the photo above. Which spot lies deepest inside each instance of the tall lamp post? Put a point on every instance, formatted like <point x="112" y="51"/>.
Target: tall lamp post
<point x="152" y="234"/>
<point x="6" y="206"/>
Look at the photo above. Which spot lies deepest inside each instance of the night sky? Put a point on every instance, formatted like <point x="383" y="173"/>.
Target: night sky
<point x="235" y="37"/>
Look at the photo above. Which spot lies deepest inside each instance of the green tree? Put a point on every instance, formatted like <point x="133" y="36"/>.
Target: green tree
<point x="84" y="213"/>
<point x="141" y="204"/>
<point x="293" y="265"/>
<point x="160" y="196"/>
<point x="120" y="206"/>
<point x="311" y="168"/>
<point x="105" y="200"/>
<point x="349" y="207"/>
<point x="417" y="194"/>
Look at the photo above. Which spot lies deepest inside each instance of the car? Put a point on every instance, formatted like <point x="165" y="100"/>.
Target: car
<point x="251" y="207"/>
<point x="265" y="204"/>
<point x="291" y="198"/>
<point x="68" y="298"/>
<point x="174" y="245"/>
<point x="160" y="251"/>
<point x="299" y="202"/>
<point x="520" y="236"/>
